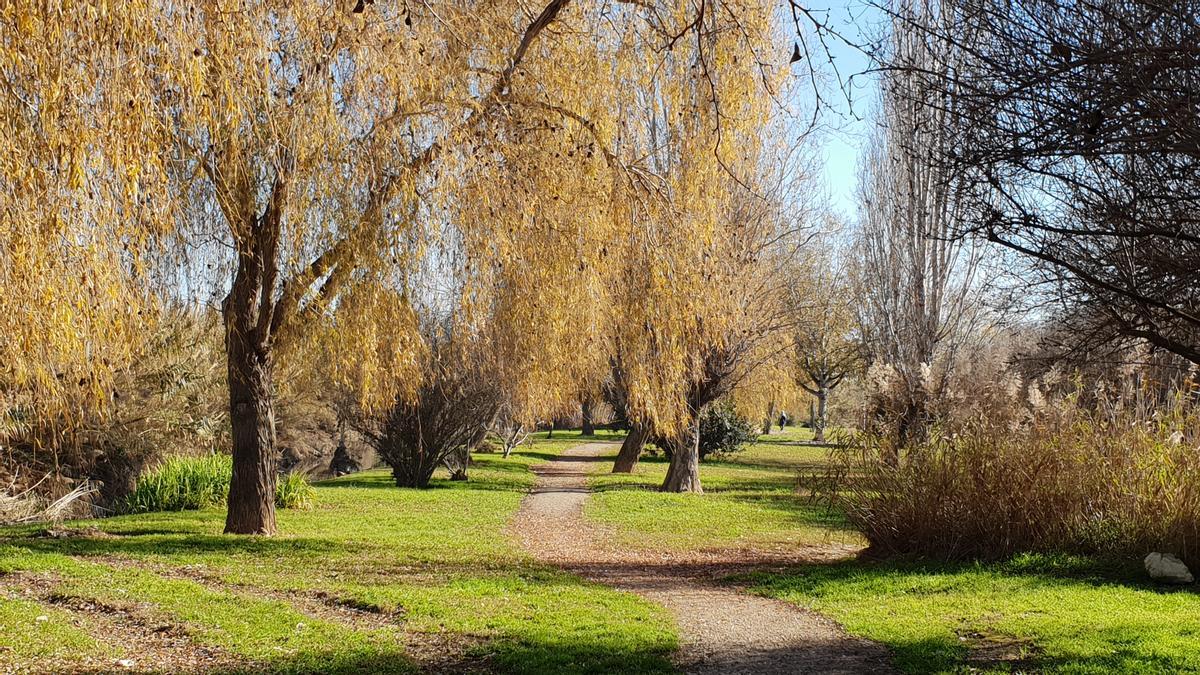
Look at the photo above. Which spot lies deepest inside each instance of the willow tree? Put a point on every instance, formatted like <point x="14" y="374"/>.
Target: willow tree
<point x="507" y="274"/>
<point x="83" y="196"/>
<point x="303" y="146"/>
<point x="700" y="291"/>
<point x="315" y="133"/>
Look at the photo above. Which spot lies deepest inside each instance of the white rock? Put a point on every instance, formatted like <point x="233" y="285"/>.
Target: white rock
<point x="1167" y="568"/>
<point x="126" y="663"/>
<point x="42" y="618"/>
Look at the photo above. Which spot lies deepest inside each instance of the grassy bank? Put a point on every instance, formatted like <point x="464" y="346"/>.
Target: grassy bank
<point x="427" y="571"/>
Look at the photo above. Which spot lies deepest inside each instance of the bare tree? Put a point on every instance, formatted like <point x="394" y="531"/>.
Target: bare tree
<point x="1076" y="139"/>
<point x="447" y="417"/>
<point x="827" y="350"/>
<point x="914" y="277"/>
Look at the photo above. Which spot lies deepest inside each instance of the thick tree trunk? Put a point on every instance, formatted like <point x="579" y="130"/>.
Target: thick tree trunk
<point x="821" y="418"/>
<point x="683" y="474"/>
<point x="770" y="419"/>
<point x="631" y="449"/>
<point x="252" y="418"/>
<point x="589" y="425"/>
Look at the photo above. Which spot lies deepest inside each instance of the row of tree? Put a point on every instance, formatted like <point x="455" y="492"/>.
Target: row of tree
<point x="453" y="213"/>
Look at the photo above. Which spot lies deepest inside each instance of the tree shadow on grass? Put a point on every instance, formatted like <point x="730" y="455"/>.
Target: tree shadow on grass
<point x="165" y="542"/>
<point x="501" y="655"/>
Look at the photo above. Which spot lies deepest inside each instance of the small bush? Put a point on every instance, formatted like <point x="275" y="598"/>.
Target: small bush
<point x="293" y="491"/>
<point x="1066" y="479"/>
<point x="724" y="431"/>
<point x="190" y="483"/>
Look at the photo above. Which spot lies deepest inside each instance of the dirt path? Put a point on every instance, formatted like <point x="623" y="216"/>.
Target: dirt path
<point x="723" y="630"/>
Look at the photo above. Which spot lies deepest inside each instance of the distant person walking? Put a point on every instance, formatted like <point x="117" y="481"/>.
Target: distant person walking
<point x="783" y="420"/>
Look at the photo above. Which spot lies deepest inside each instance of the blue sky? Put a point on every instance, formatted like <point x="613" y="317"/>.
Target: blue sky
<point x="846" y="129"/>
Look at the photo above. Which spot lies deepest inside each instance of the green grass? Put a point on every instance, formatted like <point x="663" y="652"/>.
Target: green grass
<point x="1047" y="614"/>
<point x="439" y="559"/>
<point x="189" y="483"/>
<point x="750" y="500"/>
<point x="441" y="564"/>
<point x="31" y="631"/>
<point x="790" y="434"/>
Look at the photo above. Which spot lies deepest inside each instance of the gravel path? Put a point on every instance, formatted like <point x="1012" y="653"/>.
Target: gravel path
<point x="723" y="630"/>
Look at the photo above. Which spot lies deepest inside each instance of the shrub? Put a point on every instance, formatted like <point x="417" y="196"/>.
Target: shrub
<point x="448" y="415"/>
<point x="1065" y="479"/>
<point x="293" y="491"/>
<point x="189" y="483"/>
<point x="724" y="431"/>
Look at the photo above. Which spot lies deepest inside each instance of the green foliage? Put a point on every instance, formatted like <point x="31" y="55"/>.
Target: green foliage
<point x="191" y="483"/>
<point x="293" y="491"/>
<point x="182" y="484"/>
<point x="723" y="431"/>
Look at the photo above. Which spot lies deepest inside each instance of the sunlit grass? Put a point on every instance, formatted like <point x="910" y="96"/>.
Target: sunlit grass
<point x="438" y="560"/>
<point x="1033" y="613"/>
<point x="751" y="499"/>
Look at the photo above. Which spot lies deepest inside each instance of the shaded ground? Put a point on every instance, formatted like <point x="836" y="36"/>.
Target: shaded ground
<point x="724" y="630"/>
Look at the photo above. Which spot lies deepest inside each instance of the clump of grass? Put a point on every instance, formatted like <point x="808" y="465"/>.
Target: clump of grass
<point x="1120" y="481"/>
<point x="192" y="483"/>
<point x="293" y="491"/>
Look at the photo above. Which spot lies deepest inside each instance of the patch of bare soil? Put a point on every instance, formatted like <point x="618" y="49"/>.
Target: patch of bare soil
<point x="724" y="630"/>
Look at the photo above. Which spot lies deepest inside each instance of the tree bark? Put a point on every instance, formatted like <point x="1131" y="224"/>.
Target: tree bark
<point x="589" y="425"/>
<point x="683" y="474"/>
<point x="631" y="449"/>
<point x="821" y="418"/>
<point x="252" y="418"/>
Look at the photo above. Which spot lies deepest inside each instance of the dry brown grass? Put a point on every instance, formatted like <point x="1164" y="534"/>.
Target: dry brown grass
<point x="1108" y="480"/>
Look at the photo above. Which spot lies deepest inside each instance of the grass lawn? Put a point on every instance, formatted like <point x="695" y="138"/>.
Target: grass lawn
<point x="1069" y="615"/>
<point x="1039" y="613"/>
<point x="439" y="562"/>
<point x="439" y="571"/>
<point x="750" y="500"/>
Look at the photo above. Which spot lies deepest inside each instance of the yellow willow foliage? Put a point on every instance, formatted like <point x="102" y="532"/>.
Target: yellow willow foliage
<point x="555" y="189"/>
<point x="82" y="195"/>
<point x="699" y="290"/>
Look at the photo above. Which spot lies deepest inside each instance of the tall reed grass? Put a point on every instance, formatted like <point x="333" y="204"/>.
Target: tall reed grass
<point x="1113" y="481"/>
<point x="189" y="483"/>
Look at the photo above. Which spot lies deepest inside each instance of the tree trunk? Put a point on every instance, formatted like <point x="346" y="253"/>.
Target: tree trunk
<point x="770" y="419"/>
<point x="459" y="462"/>
<point x="417" y="476"/>
<point x="631" y="449"/>
<point x="252" y="418"/>
<point x="821" y="418"/>
<point x="683" y="474"/>
<point x="589" y="425"/>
